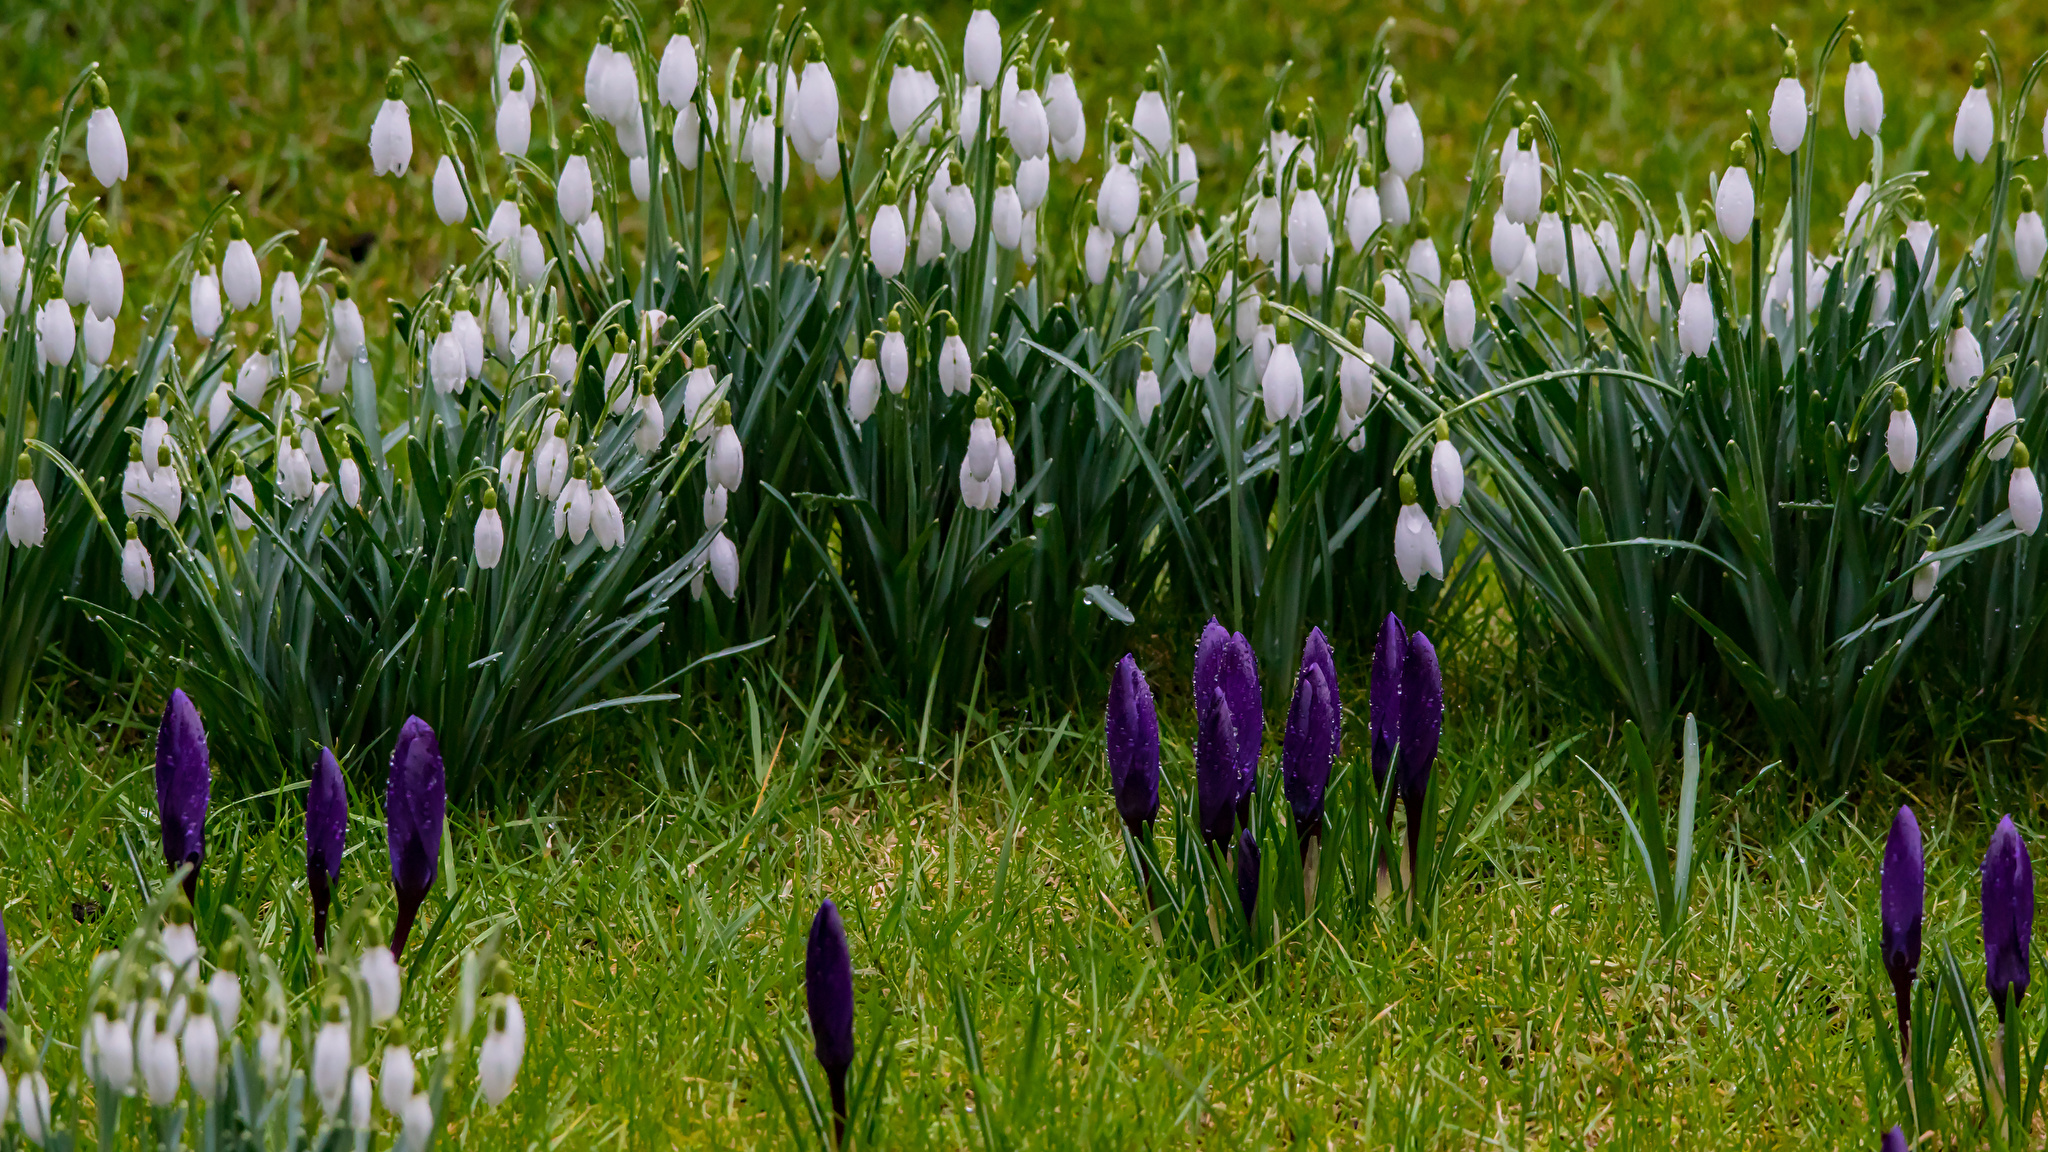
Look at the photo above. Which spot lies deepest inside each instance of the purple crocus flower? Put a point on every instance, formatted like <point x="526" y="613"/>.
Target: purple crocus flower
<point x="1893" y="1141"/>
<point x="1902" y="906"/>
<point x="1385" y="697"/>
<point x="1224" y="662"/>
<point x="1216" y="769"/>
<point x="1247" y="873"/>
<point x="1422" y="725"/>
<point x="415" y="804"/>
<point x="326" y="828"/>
<point x="1314" y="737"/>
<point x="2008" y="897"/>
<point x="828" y="994"/>
<point x="184" y="781"/>
<point x="1131" y="733"/>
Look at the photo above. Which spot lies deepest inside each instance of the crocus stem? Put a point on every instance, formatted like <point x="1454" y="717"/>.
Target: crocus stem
<point x="1904" y="997"/>
<point x="1311" y="856"/>
<point x="408" y="910"/>
<point x="316" y="879"/>
<point x="192" y="887"/>
<point x="1414" y="849"/>
<point x="837" y="1077"/>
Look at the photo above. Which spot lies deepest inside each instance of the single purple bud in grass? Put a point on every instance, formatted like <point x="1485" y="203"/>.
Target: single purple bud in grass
<point x="1247" y="873"/>
<point x="1314" y="737"/>
<point x="184" y="781"/>
<point x="1902" y="906"/>
<point x="1893" y="1141"/>
<point x="1422" y="725"/>
<point x="828" y="993"/>
<point x="1385" y="698"/>
<point x="326" y="829"/>
<point x="1131" y="734"/>
<point x="1216" y="770"/>
<point x="415" y="804"/>
<point x="1224" y="664"/>
<point x="2008" y="897"/>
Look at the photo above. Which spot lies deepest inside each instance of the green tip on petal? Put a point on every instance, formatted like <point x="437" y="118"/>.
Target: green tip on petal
<point x="2020" y="457"/>
<point x="2005" y="387"/>
<point x="23" y="466"/>
<point x="1408" y="489"/>
<point x="1443" y="428"/>
<point x="1979" y="73"/>
<point x="1900" y="400"/>
<point x="1855" y="48"/>
<point x="394" y="84"/>
<point x="870" y="348"/>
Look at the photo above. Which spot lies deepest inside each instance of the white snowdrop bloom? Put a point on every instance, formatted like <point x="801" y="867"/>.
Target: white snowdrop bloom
<point x="2023" y="492"/>
<point x="1403" y="133"/>
<point x="1354" y="375"/>
<point x="1965" y="360"/>
<point x="361" y="1099"/>
<point x="1150" y="121"/>
<point x="1006" y="218"/>
<point x="446" y="365"/>
<point x="396" y="1076"/>
<point x="931" y="233"/>
<point x="138" y="570"/>
<point x="1734" y="198"/>
<point x="572" y="508"/>
<point x="350" y="479"/>
<point x="98" y="339"/>
<point x="224" y="994"/>
<point x="391" y="134"/>
<point x="653" y="425"/>
<point x="727" y="464"/>
<point x="163" y="490"/>
<point x="1855" y="222"/>
<point x="715" y="500"/>
<point x="1419" y="349"/>
<point x="56" y="335"/>
<point x="956" y="367"/>
<point x="1262" y="350"/>
<point x="1116" y="203"/>
<point x="1249" y="307"/>
<point x="1095" y="253"/>
<point x="1550" y="244"/>
<point x="589" y="240"/>
<point x="1523" y="278"/>
<point x="1507" y="244"/>
<point x="1587" y="266"/>
<point x="981" y="495"/>
<point x="1308" y="229"/>
<point x="2001" y="421"/>
<point x="960" y="215"/>
<point x="981" y="54"/>
<point x="1461" y="315"/>
<point x="563" y="361"/>
<point x="490" y="545"/>
<point x="345" y="324"/>
<point x="1925" y="576"/>
<point x="272" y="1050"/>
<point x="533" y="257"/>
<point x="621" y="397"/>
<point x="514" y="123"/>
<point x="1280" y="384"/>
<point x="1006" y="464"/>
<point x="1201" y="342"/>
<point x="1862" y="98"/>
<point x="1416" y="549"/>
<point x="1394" y="200"/>
<point x="239" y="499"/>
<point x="157" y="1052"/>
<point x="895" y="357"/>
<point x="1788" y="108"/>
<point x="1975" y="127"/>
<point x="1522" y="188"/>
<point x="241" y="277"/>
<point x="1197" y="242"/>
<point x="700" y="387"/>
<point x="220" y="408"/>
<point x="617" y="95"/>
<point x="981" y="444"/>
<point x="253" y="378"/>
<point x="817" y="108"/>
<point x="54" y="186"/>
<point x="512" y="465"/>
<point x="1148" y="257"/>
<point x="449" y="204"/>
<point x="511" y="55"/>
<point x="470" y="335"/>
<point x="632" y="135"/>
<point x="286" y="307"/>
<point x="886" y="239"/>
<point x="2029" y="241"/>
<point x="675" y="79"/>
<point x="1446" y="470"/>
<point x="1695" y="321"/>
<point x="724" y="559"/>
<point x="77" y="271"/>
<point x="1394" y="300"/>
<point x="309" y="443"/>
<point x="135" y="480"/>
<point x="1063" y="111"/>
<point x="1901" y="436"/>
<point x="1263" y="232"/>
<point x="1639" y="260"/>
<point x="551" y="459"/>
<point x="106" y="147"/>
<point x="202" y="1052"/>
<point x="113" y="1050"/>
<point x="687" y="137"/>
<point x="1033" y="176"/>
<point x="32" y="1106"/>
<point x="969" y="118"/>
<point x="294" y="472"/>
<point x="864" y="384"/>
<point x="1881" y="299"/>
<point x="16" y="283"/>
<point x="1378" y="341"/>
<point x="1146" y="390"/>
<point x="1424" y="267"/>
<point x="1026" y="124"/>
<point x="574" y="193"/>
<point x="607" y="522"/>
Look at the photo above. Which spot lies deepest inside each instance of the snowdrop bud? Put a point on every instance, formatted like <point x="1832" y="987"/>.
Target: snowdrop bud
<point x="1550" y="240"/>
<point x="715" y="500"/>
<point x="886" y="238"/>
<point x="1149" y="118"/>
<point x="345" y="323"/>
<point x="2029" y="241"/>
<point x="490" y="532"/>
<point x="396" y="1074"/>
<point x="675" y="81"/>
<point x="1202" y="336"/>
<point x="1925" y="576"/>
<point x="16" y="283"/>
<point x="956" y="367"/>
<point x="1446" y="469"/>
<point x="32" y="1106"/>
<point x="77" y="270"/>
<point x="607" y="520"/>
<point x="728" y="459"/>
<point x="1146" y="391"/>
<point x="572" y="507"/>
<point x="1902" y="437"/>
<point x="106" y="149"/>
<point x="350" y="478"/>
<point x="98" y="340"/>
<point x="1424" y="267"/>
<point x="1418" y="347"/>
<point x="1788" y="107"/>
<point x="1461" y="314"/>
<point x="1361" y="212"/>
<point x="241" y="277"/>
<point x="514" y="124"/>
<point x="1116" y="203"/>
<point x="56" y="335"/>
<point x="511" y="55"/>
<point x="1965" y="360"/>
<point x="1280" y="383"/>
<point x="960" y="214"/>
<point x="113" y="1043"/>
<point x="391" y="135"/>
<point x="1522" y="183"/>
<point x="159" y="1055"/>
<point x="1508" y="243"/>
<point x="1696" y="318"/>
<point x="895" y="358"/>
<point x="1394" y="302"/>
<point x="1308" y="229"/>
<point x="449" y="204"/>
<point x="240" y="498"/>
<point x="1095" y="253"/>
<point x="202" y="1049"/>
<point x="1975" y="128"/>
<point x="1006" y="214"/>
<point x="574" y="194"/>
<point x="2023" y="492"/>
<point x="981" y="56"/>
<point x="1416" y="549"/>
<point x="1403" y="133"/>
<point x="138" y="571"/>
<point x="285" y="303"/>
<point x="1734" y="199"/>
<point x="864" y="383"/>
<point x="361" y="1099"/>
<point x="1862" y="99"/>
<point x="1027" y="124"/>
<point x="724" y="559"/>
<point x="981" y="443"/>
<point x="504" y="1043"/>
<point x="224" y="987"/>
<point x="817" y="106"/>
<point x="2001" y="422"/>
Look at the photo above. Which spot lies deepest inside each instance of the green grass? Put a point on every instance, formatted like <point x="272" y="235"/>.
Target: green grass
<point x="655" y="910"/>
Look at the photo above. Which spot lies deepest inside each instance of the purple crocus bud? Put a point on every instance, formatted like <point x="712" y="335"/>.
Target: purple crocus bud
<point x="1385" y="700"/>
<point x="1422" y="725"/>
<point x="828" y="993"/>
<point x="1901" y="906"/>
<point x="1224" y="663"/>
<point x="184" y="780"/>
<point x="2008" y="897"/>
<point x="1131" y="733"/>
<point x="415" y="804"/>
<point x="1216" y="769"/>
<point x="1314" y="736"/>
<point x="1893" y="1141"/>
<point x="326" y="828"/>
<point x="1247" y="873"/>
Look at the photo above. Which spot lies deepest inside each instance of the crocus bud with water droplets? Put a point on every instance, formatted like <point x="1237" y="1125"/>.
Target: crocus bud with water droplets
<point x="326" y="837"/>
<point x="1902" y="899"/>
<point x="1314" y="736"/>
<point x="1975" y="125"/>
<point x="1422" y="725"/>
<point x="415" y="805"/>
<point x="184" y="783"/>
<point x="1131" y="737"/>
<point x="2007" y="897"/>
<point x="1229" y="729"/>
<point x="391" y="135"/>
<point x="1247" y="869"/>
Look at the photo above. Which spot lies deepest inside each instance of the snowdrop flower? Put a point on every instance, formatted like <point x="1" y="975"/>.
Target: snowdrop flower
<point x="1974" y="124"/>
<point x="981" y="55"/>
<point x="512" y="465"/>
<point x="1461" y="315"/>
<point x="931" y="230"/>
<point x="240" y="498"/>
<point x="2029" y="241"/>
<point x="615" y="95"/>
<point x="2001" y="422"/>
<point x="331" y="1059"/>
<point x="1146" y="390"/>
<point x="653" y="425"/>
<point x="1446" y="469"/>
<point x="574" y="193"/>
<point x="16" y="282"/>
<point x="162" y="490"/>
<point x="391" y="135"/>
<point x="106" y="148"/>
<point x="446" y="365"/>
<point x="514" y="124"/>
<point x="1639" y="274"/>
<point x="1033" y="176"/>
<point x="1416" y="549"/>
<point x="54" y="186"/>
<point x="1150" y="255"/>
<point x="981" y="442"/>
<point x="77" y="270"/>
<point x="1419" y="349"/>
<point x="1788" y="107"/>
<point x="98" y="339"/>
<point x="1006" y="214"/>
<point x="687" y="136"/>
<point x="572" y="508"/>
<point x="1550" y="240"/>
<point x="159" y="1056"/>
<point x="1095" y="253"/>
<point x="1588" y="267"/>
<point x="864" y="383"/>
<point x="202" y="1049"/>
<point x="257" y="370"/>
<point x="135" y="481"/>
<point x="1377" y="340"/>
<point x="1403" y="131"/>
<point x="1354" y="375"/>
<point x="1027" y="124"/>
<point x="490" y="545"/>
<point x="563" y="358"/>
<point x="551" y="460"/>
<point x="2023" y="492"/>
<point x="1196" y="239"/>
<point x="56" y="335"/>
<point x="1262" y="343"/>
<point x="345" y="322"/>
<point x="285" y="304"/>
<point x="32" y="1106"/>
<point x="1250" y="305"/>
<point x="728" y="459"/>
<point x="632" y="137"/>
<point x="361" y="1099"/>
<point x="1361" y="212"/>
<point x="1902" y="436"/>
<point x="1394" y="300"/>
<point x="294" y="471"/>
<point x="607" y="522"/>
<point x="1394" y="200"/>
<point x="1424" y="267"/>
<point x="396" y="1074"/>
<point x="350" y="479"/>
<point x="1862" y="99"/>
<point x="1202" y="335"/>
<point x="241" y="277"/>
<point x="113" y="1047"/>
<point x="1925" y="576"/>
<point x="589" y="242"/>
<point x="724" y="559"/>
<point x="886" y="239"/>
<point x="956" y="367"/>
<point x="511" y="57"/>
<point x="895" y="357"/>
<point x="224" y="988"/>
<point x="911" y="92"/>
<point x="449" y="204"/>
<point x="1116" y="203"/>
<point x="1521" y="196"/>
<point x="1281" y="383"/>
<point x="272" y="1050"/>
<point x="1734" y="199"/>
<point x="1263" y="232"/>
<point x="1523" y="278"/>
<point x="1507" y="244"/>
<point x="959" y="212"/>
<point x="1696" y="318"/>
<point x="1150" y="121"/>
<point x="1965" y="360"/>
<point x="469" y="334"/>
<point x="138" y="571"/>
<point x="698" y="389"/>
<point x="1308" y="230"/>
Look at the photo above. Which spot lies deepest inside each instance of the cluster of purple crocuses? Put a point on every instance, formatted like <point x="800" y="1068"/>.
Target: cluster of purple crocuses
<point x="415" y="805"/>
